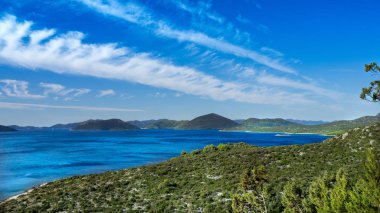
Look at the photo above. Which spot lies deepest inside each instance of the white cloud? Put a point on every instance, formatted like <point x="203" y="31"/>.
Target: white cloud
<point x="272" y="52"/>
<point x="17" y="89"/>
<point x="66" y="53"/>
<point x="286" y="82"/>
<point x="52" y="88"/>
<point x="12" y="105"/>
<point x="138" y="15"/>
<point x="158" y="95"/>
<point x="108" y="92"/>
<point x="60" y="90"/>
<point x="202" y="9"/>
<point x="74" y="93"/>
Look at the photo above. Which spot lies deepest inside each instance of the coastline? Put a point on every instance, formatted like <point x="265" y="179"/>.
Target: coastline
<point x="23" y="193"/>
<point x="299" y="133"/>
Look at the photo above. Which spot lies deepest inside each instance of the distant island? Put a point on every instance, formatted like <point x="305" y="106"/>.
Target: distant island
<point x="105" y="125"/>
<point x="282" y="125"/>
<point x="210" y="121"/>
<point x="7" y="129"/>
<point x="214" y="121"/>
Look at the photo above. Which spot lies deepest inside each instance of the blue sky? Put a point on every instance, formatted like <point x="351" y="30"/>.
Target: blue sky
<point x="66" y="61"/>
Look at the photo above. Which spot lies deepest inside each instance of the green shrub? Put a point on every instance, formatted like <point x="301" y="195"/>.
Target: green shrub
<point x="209" y="148"/>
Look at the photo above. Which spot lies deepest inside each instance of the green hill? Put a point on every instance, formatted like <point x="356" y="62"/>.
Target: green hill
<point x="281" y="125"/>
<point x="201" y="181"/>
<point x="166" y="124"/>
<point x="210" y="121"/>
<point x="111" y="124"/>
<point x="6" y="129"/>
<point x="266" y="123"/>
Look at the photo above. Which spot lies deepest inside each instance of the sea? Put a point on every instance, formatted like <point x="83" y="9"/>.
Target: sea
<point x="30" y="158"/>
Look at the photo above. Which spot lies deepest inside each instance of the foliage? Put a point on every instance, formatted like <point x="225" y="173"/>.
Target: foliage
<point x="280" y="125"/>
<point x="372" y="93"/>
<point x="166" y="124"/>
<point x="326" y="194"/>
<point x="255" y="192"/>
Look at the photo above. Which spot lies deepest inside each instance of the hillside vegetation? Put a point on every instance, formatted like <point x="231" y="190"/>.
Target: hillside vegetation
<point x="203" y="180"/>
<point x="166" y="124"/>
<point x="281" y="125"/>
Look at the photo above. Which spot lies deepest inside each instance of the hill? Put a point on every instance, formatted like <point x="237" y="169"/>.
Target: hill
<point x="144" y="123"/>
<point x="266" y="123"/>
<point x="203" y="180"/>
<point x="210" y="121"/>
<point x="166" y="124"/>
<point x="7" y="129"/>
<point x="281" y="125"/>
<point x="307" y="122"/>
<point x="111" y="124"/>
<point x="27" y="128"/>
<point x="66" y="126"/>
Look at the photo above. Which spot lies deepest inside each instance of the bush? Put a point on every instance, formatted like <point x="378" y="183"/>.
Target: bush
<point x="209" y="148"/>
<point x="223" y="147"/>
<point x="195" y="152"/>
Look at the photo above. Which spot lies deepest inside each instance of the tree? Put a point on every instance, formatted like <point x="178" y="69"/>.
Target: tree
<point x="365" y="195"/>
<point x="255" y="194"/>
<point x="372" y="93"/>
<point x="292" y="199"/>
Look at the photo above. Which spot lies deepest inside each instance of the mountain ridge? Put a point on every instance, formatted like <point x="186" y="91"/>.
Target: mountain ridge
<point x="215" y="121"/>
<point x="209" y="121"/>
<point x="105" y="125"/>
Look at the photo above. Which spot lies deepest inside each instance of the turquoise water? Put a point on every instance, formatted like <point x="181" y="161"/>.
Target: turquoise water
<point x="29" y="158"/>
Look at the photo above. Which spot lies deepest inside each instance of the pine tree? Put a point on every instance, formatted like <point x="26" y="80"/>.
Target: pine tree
<point x="291" y="198"/>
<point x="255" y="194"/>
<point x="339" y="193"/>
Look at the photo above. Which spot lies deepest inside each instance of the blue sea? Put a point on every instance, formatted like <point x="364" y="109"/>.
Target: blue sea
<point x="30" y="158"/>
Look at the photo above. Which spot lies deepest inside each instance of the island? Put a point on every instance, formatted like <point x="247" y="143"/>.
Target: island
<point x="6" y="129"/>
<point x="104" y="125"/>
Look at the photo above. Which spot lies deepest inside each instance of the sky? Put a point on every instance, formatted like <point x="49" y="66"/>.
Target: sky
<point x="66" y="61"/>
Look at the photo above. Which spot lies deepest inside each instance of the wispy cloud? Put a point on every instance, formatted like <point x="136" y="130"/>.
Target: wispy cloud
<point x="17" y="89"/>
<point x="137" y="14"/>
<point x="13" y="105"/>
<point x="286" y="82"/>
<point x="242" y="20"/>
<point x="66" y="53"/>
<point x="108" y="92"/>
<point x="52" y="88"/>
<point x="201" y="9"/>
<point x="62" y="91"/>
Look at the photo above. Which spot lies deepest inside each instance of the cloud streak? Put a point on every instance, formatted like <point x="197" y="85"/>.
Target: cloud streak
<point x="17" y="89"/>
<point x="13" y="105"/>
<point x="285" y="82"/>
<point x="67" y="54"/>
<point x="60" y="90"/>
<point x="137" y="14"/>
<point x="108" y="92"/>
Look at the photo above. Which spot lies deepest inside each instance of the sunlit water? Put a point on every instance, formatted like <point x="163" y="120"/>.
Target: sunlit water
<point x="29" y="158"/>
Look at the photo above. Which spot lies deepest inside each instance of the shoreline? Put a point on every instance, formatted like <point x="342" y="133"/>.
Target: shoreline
<point x="23" y="193"/>
<point x="289" y="133"/>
